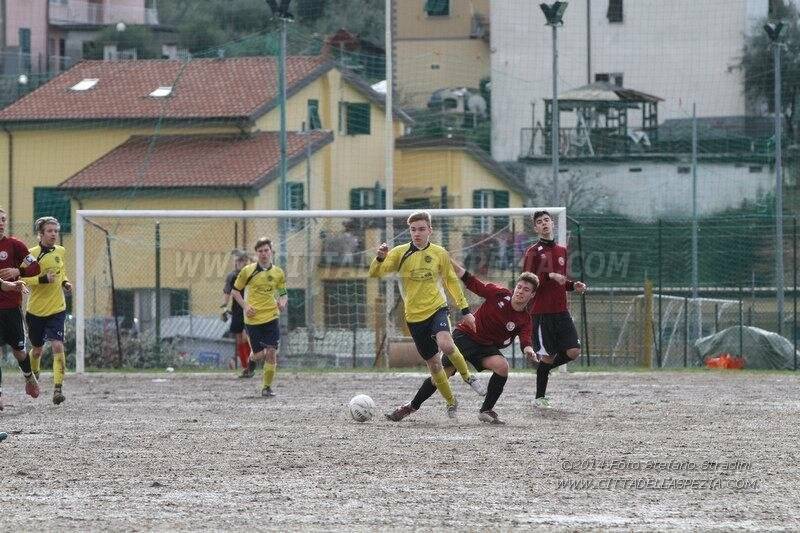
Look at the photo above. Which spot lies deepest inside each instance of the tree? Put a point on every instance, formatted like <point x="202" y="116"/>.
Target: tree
<point x="757" y="65"/>
<point x="363" y="17"/>
<point x="139" y="38"/>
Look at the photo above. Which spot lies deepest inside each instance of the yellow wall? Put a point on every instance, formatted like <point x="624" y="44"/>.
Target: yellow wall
<point x="46" y="157"/>
<point x="437" y="52"/>
<point x="455" y="168"/>
<point x="412" y="22"/>
<point x="425" y="66"/>
<point x="355" y="160"/>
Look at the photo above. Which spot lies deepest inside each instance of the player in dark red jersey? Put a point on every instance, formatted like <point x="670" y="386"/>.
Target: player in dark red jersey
<point x="502" y="316"/>
<point x="554" y="335"/>
<point x="15" y="261"/>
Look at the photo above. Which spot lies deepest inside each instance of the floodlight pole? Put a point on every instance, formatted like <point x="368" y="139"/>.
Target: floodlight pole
<point x="773" y="32"/>
<point x="283" y="203"/>
<point x="695" y="269"/>
<point x="389" y="172"/>
<point x="553" y="14"/>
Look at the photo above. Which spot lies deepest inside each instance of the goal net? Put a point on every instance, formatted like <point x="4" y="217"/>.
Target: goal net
<point x="675" y="323"/>
<point x="149" y="284"/>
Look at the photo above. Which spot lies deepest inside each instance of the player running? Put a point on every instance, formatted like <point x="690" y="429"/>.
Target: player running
<point x="10" y="286"/>
<point x="15" y="261"/>
<point x="236" y="314"/>
<point x="47" y="307"/>
<point x="260" y="288"/>
<point x="422" y="268"/>
<point x="502" y="316"/>
<point x="555" y="338"/>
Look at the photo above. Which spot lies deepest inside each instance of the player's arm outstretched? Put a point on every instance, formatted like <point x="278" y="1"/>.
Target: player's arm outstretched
<point x="385" y="261"/>
<point x="453" y="287"/>
<point x="472" y="283"/>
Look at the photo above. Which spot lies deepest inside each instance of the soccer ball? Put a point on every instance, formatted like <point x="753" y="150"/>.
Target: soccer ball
<point x="362" y="408"/>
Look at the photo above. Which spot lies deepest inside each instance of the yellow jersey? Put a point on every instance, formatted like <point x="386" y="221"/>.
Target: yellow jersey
<point x="422" y="273"/>
<point x="261" y="289"/>
<point x="47" y="298"/>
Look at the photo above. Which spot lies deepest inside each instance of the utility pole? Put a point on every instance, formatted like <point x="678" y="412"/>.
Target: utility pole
<point x="773" y="30"/>
<point x="554" y="14"/>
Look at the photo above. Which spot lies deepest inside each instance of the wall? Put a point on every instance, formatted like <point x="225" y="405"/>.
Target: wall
<point x="681" y="51"/>
<point x="659" y="190"/>
<point x="32" y="15"/>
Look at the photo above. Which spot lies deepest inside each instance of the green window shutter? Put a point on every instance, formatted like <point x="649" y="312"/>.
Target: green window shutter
<point x="53" y="202"/>
<point x="382" y="205"/>
<point x="501" y="199"/>
<point x="297" y="308"/>
<point x="296" y="196"/>
<point x="477" y="203"/>
<point x="314" y="122"/>
<point x="355" y="199"/>
<point x="358" y="116"/>
<point x="437" y="8"/>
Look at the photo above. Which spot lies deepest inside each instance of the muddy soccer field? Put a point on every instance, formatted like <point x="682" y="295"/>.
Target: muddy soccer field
<point x="684" y="450"/>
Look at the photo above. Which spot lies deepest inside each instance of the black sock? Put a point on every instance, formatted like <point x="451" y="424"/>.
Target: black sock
<point x="251" y="365"/>
<point x="425" y="391"/>
<point x="542" y="375"/>
<point x="25" y="365"/>
<point x="561" y="359"/>
<point x="493" y="391"/>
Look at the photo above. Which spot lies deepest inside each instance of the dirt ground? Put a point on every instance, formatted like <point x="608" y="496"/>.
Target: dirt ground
<point x="654" y="451"/>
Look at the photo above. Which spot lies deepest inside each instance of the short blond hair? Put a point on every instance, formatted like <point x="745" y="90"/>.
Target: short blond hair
<point x="419" y="215"/>
<point x="41" y="222"/>
<point x="529" y="277"/>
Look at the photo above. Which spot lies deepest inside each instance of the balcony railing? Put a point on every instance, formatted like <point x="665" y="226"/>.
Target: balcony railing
<point x="575" y="142"/>
<point x="78" y="12"/>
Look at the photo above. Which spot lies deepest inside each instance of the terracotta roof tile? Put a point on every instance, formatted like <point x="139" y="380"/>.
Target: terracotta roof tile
<point x="233" y="88"/>
<point x="195" y="161"/>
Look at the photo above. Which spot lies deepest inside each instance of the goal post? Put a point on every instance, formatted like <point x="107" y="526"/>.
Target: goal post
<point x="157" y="275"/>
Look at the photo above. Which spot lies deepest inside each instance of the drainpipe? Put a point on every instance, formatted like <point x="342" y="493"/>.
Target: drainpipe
<point x="10" y="205"/>
<point x="244" y="221"/>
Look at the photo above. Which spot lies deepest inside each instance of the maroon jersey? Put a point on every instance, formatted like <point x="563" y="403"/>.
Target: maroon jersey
<point x="496" y="322"/>
<point x="542" y="258"/>
<point x="14" y="254"/>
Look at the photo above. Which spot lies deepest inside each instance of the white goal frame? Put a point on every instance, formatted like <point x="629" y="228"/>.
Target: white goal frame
<point x="81" y="216"/>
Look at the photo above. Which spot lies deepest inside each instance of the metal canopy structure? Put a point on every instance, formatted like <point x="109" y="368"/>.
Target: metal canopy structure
<point x="602" y="119"/>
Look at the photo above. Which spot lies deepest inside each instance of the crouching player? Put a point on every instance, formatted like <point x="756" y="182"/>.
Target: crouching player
<point x="502" y="316"/>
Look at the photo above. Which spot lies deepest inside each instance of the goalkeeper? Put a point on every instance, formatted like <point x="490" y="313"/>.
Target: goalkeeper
<point x="422" y="268"/>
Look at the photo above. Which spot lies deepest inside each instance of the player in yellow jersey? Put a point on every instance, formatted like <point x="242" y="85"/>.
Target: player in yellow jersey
<point x="47" y="307"/>
<point x="423" y="267"/>
<point x="260" y="288"/>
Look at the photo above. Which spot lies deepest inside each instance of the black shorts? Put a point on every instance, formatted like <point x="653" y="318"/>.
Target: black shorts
<point x="263" y="336"/>
<point x="12" y="332"/>
<point x="237" y="318"/>
<point x="554" y="333"/>
<point x="424" y="333"/>
<point x="471" y="350"/>
<point x="45" y="328"/>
